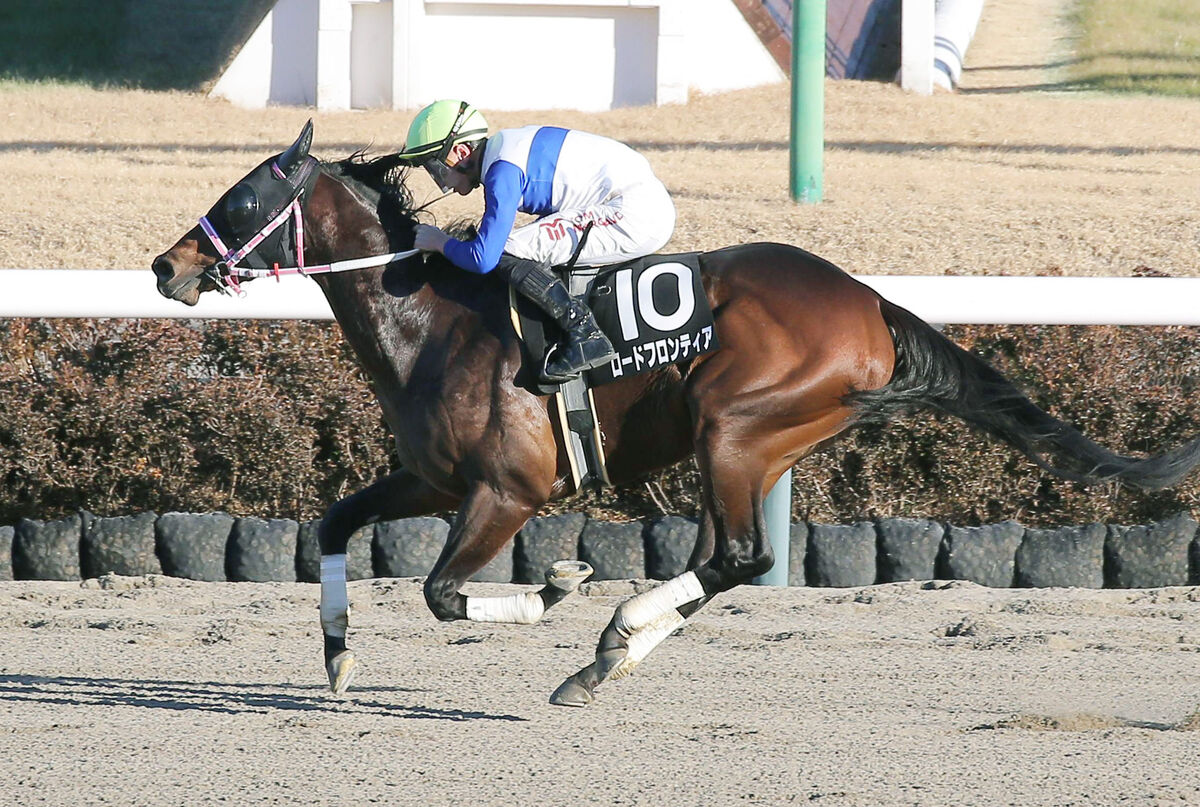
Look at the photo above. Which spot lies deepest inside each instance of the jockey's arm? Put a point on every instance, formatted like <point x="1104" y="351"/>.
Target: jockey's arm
<point x="501" y="198"/>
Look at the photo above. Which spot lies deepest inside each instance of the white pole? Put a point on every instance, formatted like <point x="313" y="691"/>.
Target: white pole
<point x="1044" y="300"/>
<point x="777" y="512"/>
<point x="916" y="46"/>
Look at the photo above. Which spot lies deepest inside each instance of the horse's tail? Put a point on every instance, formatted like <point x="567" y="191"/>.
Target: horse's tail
<point x="931" y="372"/>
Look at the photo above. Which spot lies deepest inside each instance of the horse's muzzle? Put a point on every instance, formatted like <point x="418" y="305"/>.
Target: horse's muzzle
<point x="171" y="285"/>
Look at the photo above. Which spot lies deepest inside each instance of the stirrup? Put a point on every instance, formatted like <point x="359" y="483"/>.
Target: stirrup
<point x="577" y="366"/>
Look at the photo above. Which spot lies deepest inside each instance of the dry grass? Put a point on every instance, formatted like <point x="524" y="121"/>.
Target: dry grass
<point x="1152" y="46"/>
<point x="1020" y="184"/>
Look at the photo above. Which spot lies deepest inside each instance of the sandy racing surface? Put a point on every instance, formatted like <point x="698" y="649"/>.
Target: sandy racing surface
<point x="158" y="691"/>
<point x="167" y="692"/>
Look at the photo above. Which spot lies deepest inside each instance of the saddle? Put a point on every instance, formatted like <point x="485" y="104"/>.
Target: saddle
<point x="655" y="312"/>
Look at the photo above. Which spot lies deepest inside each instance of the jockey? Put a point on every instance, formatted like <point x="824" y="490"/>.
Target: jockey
<point x="568" y="179"/>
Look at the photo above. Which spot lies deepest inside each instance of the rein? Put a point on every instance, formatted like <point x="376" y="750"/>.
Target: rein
<point x="227" y="275"/>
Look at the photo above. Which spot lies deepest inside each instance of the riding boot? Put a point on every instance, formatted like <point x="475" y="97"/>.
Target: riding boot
<point x="585" y="345"/>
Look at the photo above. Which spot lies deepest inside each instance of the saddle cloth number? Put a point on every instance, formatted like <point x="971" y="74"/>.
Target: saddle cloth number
<point x="656" y="314"/>
<point x="631" y="308"/>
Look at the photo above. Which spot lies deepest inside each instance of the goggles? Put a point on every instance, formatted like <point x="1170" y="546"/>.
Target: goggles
<point x="440" y="172"/>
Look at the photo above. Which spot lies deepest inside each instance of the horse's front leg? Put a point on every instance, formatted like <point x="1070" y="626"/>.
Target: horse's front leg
<point x="399" y="495"/>
<point x="486" y="521"/>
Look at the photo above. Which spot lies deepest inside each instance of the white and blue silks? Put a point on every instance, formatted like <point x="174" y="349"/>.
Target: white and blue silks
<point x="567" y="179"/>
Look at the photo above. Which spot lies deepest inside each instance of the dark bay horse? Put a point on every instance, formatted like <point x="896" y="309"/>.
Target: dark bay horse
<point x="805" y="353"/>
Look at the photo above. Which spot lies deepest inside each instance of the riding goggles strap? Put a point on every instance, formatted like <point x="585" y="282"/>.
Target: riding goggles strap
<point x="455" y="128"/>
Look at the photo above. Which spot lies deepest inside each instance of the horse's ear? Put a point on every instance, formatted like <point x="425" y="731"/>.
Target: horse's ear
<point x="297" y="151"/>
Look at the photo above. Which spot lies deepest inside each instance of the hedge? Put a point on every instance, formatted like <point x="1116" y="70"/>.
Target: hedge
<point x="275" y="420"/>
<point x="121" y="416"/>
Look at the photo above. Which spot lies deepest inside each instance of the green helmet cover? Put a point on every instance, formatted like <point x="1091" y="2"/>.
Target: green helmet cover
<point x="440" y="126"/>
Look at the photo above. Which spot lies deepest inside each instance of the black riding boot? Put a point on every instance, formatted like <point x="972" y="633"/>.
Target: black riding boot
<point x="585" y="346"/>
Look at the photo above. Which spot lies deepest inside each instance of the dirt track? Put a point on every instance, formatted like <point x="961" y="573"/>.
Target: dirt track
<point x="165" y="692"/>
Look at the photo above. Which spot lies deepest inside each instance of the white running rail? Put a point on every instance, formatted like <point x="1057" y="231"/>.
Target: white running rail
<point x="119" y="293"/>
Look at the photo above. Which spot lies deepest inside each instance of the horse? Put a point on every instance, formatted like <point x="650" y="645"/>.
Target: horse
<point x="805" y="353"/>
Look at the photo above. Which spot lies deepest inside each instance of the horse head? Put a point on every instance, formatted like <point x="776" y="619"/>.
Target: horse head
<point x="257" y="222"/>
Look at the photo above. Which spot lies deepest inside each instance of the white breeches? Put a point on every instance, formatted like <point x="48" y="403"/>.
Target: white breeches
<point x="636" y="223"/>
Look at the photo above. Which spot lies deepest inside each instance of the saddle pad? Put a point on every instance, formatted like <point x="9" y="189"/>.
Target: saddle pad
<point x="656" y="313"/>
<point x="574" y="402"/>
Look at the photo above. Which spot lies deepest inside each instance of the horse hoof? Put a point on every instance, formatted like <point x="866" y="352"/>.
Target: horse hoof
<point x="566" y="575"/>
<point x="341" y="669"/>
<point x="571" y="693"/>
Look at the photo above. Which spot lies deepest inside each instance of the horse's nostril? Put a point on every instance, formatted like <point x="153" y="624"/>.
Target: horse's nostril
<point x="163" y="269"/>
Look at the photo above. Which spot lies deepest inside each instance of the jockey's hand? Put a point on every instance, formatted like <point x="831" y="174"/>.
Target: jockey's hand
<point x="429" y="239"/>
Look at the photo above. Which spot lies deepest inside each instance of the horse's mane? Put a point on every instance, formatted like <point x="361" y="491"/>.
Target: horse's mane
<point x="380" y="180"/>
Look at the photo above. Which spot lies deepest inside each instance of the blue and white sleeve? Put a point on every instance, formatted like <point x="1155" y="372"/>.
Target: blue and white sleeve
<point x="501" y="198"/>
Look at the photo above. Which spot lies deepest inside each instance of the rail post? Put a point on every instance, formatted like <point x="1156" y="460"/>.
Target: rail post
<point x="807" y="187"/>
<point x="916" y="46"/>
<point x="808" y="100"/>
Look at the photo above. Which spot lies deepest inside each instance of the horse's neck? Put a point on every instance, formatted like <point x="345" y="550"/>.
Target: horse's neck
<point x="390" y="315"/>
<point x="348" y="226"/>
<point x="386" y="332"/>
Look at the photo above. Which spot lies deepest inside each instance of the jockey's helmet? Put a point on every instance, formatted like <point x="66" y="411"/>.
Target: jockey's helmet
<point x="441" y="126"/>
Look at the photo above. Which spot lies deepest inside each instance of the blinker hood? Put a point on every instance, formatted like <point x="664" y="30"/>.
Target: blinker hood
<point x="246" y="208"/>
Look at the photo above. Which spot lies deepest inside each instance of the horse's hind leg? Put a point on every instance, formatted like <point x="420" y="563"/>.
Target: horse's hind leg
<point x="486" y="521"/>
<point x="399" y="495"/>
<point x="732" y="547"/>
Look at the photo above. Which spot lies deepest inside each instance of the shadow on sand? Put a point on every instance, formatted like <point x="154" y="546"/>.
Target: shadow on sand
<point x="227" y="698"/>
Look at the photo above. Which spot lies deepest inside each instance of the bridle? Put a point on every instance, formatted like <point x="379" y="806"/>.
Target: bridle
<point x="226" y="275"/>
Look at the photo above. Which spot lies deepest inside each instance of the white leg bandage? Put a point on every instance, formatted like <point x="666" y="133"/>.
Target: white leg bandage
<point x="644" y="640"/>
<point x="521" y="609"/>
<point x="335" y="606"/>
<point x="638" y="612"/>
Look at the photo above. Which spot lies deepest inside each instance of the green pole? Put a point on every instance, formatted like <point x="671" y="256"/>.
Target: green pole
<point x="807" y="186"/>
<point x="808" y="100"/>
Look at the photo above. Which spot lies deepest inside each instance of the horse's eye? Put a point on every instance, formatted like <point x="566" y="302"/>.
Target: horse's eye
<point x="241" y="209"/>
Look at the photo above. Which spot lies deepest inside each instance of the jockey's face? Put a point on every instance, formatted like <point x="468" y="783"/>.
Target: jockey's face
<point x="463" y="176"/>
